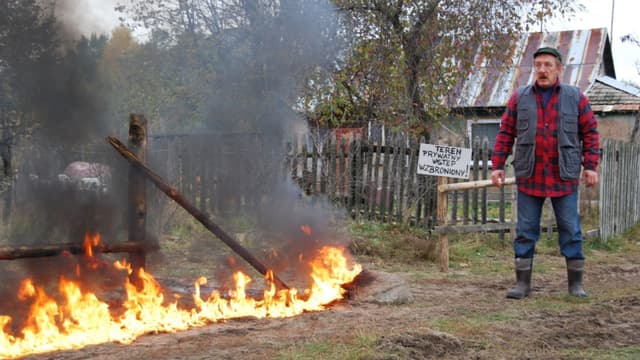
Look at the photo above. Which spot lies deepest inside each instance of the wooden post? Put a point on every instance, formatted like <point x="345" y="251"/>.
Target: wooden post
<point x="137" y="189"/>
<point x="442" y="221"/>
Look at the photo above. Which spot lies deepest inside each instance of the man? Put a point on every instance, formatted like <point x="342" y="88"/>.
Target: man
<point x="556" y="133"/>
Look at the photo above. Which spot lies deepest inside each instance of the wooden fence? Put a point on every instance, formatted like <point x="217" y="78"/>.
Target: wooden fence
<point x="619" y="188"/>
<point x="379" y="181"/>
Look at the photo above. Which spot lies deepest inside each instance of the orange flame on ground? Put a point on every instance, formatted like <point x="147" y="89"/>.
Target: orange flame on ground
<point x="80" y="318"/>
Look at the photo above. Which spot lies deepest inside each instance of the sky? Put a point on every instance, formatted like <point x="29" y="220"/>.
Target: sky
<point x="100" y="17"/>
<point x="598" y="14"/>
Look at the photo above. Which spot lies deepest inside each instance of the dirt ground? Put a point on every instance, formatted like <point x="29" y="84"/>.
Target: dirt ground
<point x="424" y="314"/>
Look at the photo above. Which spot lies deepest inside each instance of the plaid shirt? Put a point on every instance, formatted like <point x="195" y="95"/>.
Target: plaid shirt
<point x="545" y="180"/>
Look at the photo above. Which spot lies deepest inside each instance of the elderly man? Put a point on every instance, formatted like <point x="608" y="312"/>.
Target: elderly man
<point x="556" y="133"/>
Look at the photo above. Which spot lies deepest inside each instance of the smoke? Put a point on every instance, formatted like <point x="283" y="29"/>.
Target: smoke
<point x="86" y="17"/>
<point x="255" y="77"/>
<point x="62" y="114"/>
<point x="259" y="94"/>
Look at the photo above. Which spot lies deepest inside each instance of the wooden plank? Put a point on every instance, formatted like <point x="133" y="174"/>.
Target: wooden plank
<point x="371" y="190"/>
<point x="385" y="183"/>
<point x="412" y="189"/>
<point x="306" y="174"/>
<point x="332" y="172"/>
<point x="454" y="204"/>
<point x="395" y="210"/>
<point x="393" y="177"/>
<point x="293" y="165"/>
<point x="443" y="239"/>
<point x="402" y="179"/>
<point x="465" y="207"/>
<point x="322" y="167"/>
<point x="357" y="178"/>
<point x="475" y="176"/>
<point x="314" y="168"/>
<point x="377" y="202"/>
<point x="137" y="203"/>
<point x="21" y="252"/>
<point x="472" y="228"/>
<point x="342" y="170"/>
<point x="473" y="184"/>
<point x="485" y="171"/>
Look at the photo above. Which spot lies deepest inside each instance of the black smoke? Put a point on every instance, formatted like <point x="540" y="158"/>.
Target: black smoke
<point x="239" y="80"/>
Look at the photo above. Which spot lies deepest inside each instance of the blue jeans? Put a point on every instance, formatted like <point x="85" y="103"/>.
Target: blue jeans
<point x="567" y="218"/>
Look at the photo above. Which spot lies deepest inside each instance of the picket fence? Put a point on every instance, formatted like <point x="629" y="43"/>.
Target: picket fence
<point x="619" y="204"/>
<point x="378" y="181"/>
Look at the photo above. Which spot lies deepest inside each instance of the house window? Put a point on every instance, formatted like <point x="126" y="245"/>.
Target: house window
<point x="483" y="128"/>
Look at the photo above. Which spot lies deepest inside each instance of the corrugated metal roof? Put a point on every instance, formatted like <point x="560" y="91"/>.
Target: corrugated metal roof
<point x="586" y="55"/>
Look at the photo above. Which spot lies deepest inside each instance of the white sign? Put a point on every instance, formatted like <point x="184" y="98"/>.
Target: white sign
<point x="447" y="161"/>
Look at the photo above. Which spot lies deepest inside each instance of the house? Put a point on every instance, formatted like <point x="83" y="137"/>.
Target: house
<point x="588" y="64"/>
<point x="617" y="108"/>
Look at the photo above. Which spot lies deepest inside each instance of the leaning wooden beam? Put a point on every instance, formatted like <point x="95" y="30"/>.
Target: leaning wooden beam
<point x="472" y="185"/>
<point x="21" y="252"/>
<point x="195" y="212"/>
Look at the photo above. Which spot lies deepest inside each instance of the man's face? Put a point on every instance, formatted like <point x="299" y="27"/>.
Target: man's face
<point x="547" y="69"/>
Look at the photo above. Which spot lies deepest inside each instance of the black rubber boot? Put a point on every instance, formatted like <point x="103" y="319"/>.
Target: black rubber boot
<point x="524" y="267"/>
<point x="575" y="269"/>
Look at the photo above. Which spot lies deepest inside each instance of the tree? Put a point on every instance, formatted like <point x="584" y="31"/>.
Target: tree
<point x="26" y="28"/>
<point x="407" y="55"/>
<point x="236" y="67"/>
<point x="246" y="59"/>
<point x="27" y="39"/>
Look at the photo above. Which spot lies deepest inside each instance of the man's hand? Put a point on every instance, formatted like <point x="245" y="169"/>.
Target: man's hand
<point x="589" y="177"/>
<point x="497" y="177"/>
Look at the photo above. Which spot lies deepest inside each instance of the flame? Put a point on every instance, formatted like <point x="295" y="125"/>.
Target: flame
<point x="73" y="318"/>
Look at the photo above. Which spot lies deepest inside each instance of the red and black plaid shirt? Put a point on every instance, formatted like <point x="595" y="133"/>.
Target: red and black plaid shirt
<point x="545" y="180"/>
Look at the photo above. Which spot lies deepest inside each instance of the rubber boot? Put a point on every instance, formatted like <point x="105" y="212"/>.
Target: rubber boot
<point x="575" y="269"/>
<point x="524" y="267"/>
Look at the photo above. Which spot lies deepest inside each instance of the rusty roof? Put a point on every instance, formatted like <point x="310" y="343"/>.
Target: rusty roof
<point x="586" y="55"/>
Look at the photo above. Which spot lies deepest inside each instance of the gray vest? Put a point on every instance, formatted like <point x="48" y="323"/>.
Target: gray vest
<point x="569" y="146"/>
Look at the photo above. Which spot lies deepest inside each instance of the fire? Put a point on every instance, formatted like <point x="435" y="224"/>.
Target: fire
<point x="73" y="317"/>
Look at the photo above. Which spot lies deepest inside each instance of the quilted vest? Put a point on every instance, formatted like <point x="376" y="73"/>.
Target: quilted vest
<point x="569" y="146"/>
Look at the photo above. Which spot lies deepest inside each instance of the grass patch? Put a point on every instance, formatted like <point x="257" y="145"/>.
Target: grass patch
<point x="480" y="253"/>
<point x="492" y="210"/>
<point x="560" y="303"/>
<point x="623" y="353"/>
<point x="473" y="323"/>
<point x="391" y="242"/>
<point x="358" y="347"/>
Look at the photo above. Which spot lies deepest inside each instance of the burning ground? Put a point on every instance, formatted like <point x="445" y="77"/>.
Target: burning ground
<point x="84" y="311"/>
<point x="409" y="310"/>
